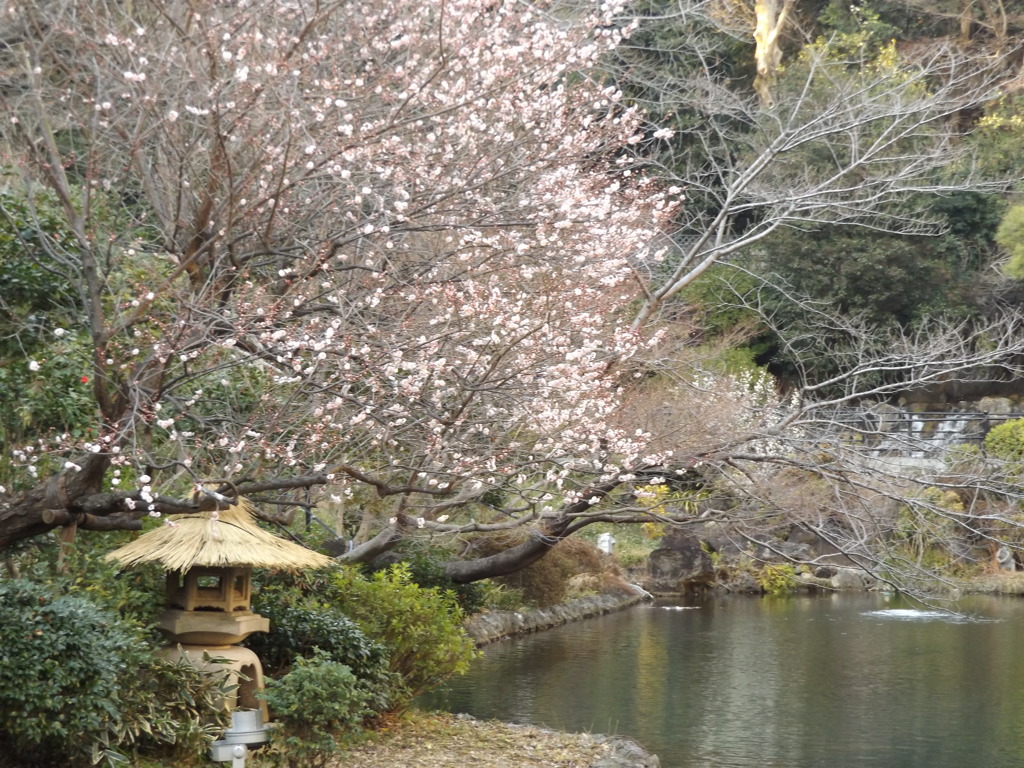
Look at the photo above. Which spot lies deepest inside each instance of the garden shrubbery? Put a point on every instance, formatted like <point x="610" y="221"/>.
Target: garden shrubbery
<point x="420" y="629"/>
<point x="1006" y="441"/>
<point x="79" y="685"/>
<point x="350" y="648"/>
<point x="321" y="704"/>
<point x="300" y="632"/>
<point x="80" y="682"/>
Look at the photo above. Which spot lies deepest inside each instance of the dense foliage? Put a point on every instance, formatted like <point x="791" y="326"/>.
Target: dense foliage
<point x="79" y="685"/>
<point x="38" y="326"/>
<point x="320" y="704"/>
<point x="421" y="628"/>
<point x="398" y="638"/>
<point x="1006" y="441"/>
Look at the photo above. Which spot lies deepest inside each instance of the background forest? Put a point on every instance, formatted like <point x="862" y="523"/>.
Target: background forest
<point x="445" y="284"/>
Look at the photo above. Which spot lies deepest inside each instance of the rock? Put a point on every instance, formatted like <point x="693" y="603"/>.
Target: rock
<point x="1004" y="557"/>
<point x="996" y="405"/>
<point x="742" y="581"/>
<point x="720" y="539"/>
<point x="824" y="572"/>
<point x="888" y="417"/>
<point x="679" y="565"/>
<point x="786" y="551"/>
<point x="849" y="578"/>
<point x="810" y="580"/>
<point x="627" y="754"/>
<point x="800" y="535"/>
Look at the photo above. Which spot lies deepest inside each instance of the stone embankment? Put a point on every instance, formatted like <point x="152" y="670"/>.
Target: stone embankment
<point x="488" y="627"/>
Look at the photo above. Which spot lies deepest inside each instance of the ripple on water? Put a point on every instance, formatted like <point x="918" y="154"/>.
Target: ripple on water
<point x="914" y="614"/>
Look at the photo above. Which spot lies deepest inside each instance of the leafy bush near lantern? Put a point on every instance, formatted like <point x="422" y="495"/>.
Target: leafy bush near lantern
<point x="78" y="685"/>
<point x="420" y="627"/>
<point x="319" y="704"/>
<point x="135" y="594"/>
<point x="300" y="631"/>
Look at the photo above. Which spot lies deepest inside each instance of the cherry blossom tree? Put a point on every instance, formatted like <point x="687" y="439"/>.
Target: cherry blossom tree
<point x="382" y="245"/>
<point x="390" y="256"/>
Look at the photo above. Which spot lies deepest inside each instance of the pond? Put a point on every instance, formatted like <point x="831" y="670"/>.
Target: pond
<point x="805" y="682"/>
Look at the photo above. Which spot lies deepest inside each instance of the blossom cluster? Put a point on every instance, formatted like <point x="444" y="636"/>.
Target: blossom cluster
<point x="393" y="235"/>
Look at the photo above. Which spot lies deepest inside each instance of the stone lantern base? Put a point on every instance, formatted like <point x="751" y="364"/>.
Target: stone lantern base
<point x="238" y="665"/>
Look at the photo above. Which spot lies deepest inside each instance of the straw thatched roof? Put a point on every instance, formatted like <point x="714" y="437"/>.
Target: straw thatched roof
<point x="226" y="538"/>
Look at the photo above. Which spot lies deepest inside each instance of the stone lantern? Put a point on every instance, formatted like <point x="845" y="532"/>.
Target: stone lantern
<point x="209" y="557"/>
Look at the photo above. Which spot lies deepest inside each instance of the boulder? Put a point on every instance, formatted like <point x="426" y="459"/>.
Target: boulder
<point x="742" y="581"/>
<point x="850" y="578"/>
<point x="627" y="754"/>
<point x="997" y="405"/>
<point x="679" y="565"/>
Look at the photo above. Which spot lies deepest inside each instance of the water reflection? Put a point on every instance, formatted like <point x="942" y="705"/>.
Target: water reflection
<point x="813" y="681"/>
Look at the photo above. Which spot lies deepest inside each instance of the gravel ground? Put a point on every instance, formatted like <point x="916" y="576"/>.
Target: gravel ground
<point x="449" y="741"/>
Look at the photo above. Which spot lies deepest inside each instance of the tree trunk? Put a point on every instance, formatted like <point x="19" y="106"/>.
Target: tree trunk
<point x="574" y="516"/>
<point x="367" y="550"/>
<point x="509" y="560"/>
<point x="71" y="497"/>
<point x="770" y="19"/>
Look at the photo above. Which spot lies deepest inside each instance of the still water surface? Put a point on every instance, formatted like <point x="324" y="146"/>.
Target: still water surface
<point x="842" y="681"/>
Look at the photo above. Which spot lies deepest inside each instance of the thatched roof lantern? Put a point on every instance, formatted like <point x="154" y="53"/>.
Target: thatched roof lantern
<point x="209" y="557"/>
<point x="220" y="539"/>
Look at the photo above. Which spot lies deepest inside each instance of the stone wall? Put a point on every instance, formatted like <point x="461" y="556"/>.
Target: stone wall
<point x="488" y="627"/>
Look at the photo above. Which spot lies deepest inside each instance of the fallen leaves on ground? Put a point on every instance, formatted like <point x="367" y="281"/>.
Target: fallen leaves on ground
<point x="423" y="740"/>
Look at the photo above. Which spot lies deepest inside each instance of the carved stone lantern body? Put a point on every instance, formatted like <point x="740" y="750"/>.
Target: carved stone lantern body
<point x="210" y="606"/>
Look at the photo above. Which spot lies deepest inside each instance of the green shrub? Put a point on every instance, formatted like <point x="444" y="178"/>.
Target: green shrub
<point x="319" y="704"/>
<point x="298" y="631"/>
<point x="1010" y="235"/>
<point x="135" y="594"/>
<point x="426" y="571"/>
<point x="1006" y="441"/>
<point x="171" y="709"/>
<point x="80" y="685"/>
<point x="420" y="627"/>
<point x="777" y="580"/>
